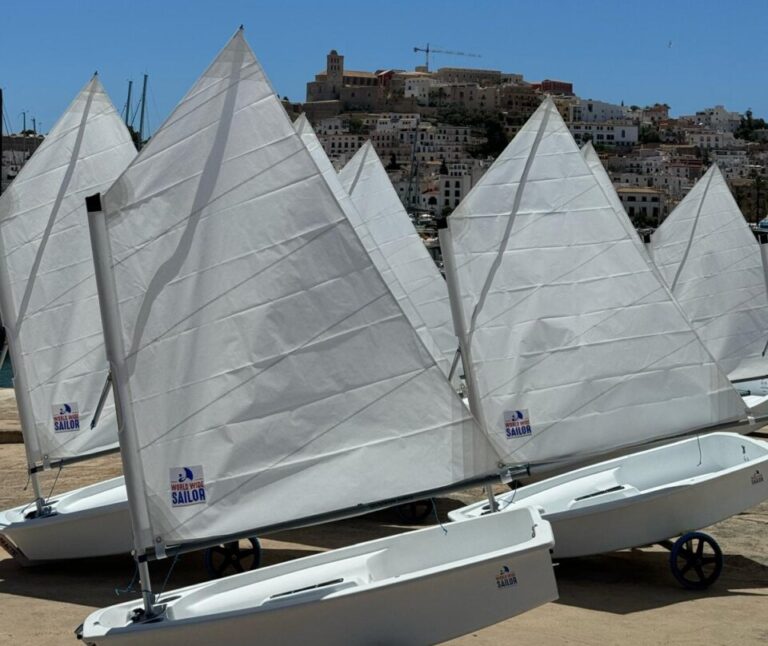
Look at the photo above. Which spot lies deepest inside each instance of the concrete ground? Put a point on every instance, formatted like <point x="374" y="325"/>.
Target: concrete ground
<point x="622" y="598"/>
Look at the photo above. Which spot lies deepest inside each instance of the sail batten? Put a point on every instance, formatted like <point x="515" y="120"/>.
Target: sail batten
<point x="49" y="301"/>
<point x="577" y="347"/>
<point x="267" y="370"/>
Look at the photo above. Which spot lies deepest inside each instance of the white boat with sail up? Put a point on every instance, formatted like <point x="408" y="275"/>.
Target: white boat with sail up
<point x="267" y="377"/>
<point x="578" y="349"/>
<point x="51" y="317"/>
<point x="723" y="291"/>
<point x="715" y="268"/>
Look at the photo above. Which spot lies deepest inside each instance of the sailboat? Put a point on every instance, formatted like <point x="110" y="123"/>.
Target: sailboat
<point x="51" y="317"/>
<point x="266" y="377"/>
<point x="713" y="265"/>
<point x="729" y="324"/>
<point x="376" y="238"/>
<point x="365" y="179"/>
<point x="577" y="349"/>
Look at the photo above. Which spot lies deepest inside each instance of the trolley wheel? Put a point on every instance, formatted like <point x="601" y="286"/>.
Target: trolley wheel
<point x="414" y="512"/>
<point x="231" y="558"/>
<point x="696" y="560"/>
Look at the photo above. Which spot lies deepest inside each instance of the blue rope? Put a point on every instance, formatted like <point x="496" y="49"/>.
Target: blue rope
<point x="130" y="588"/>
<point x="437" y="518"/>
<point x="168" y="576"/>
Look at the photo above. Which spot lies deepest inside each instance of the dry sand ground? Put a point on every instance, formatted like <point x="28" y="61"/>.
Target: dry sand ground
<point x="622" y="598"/>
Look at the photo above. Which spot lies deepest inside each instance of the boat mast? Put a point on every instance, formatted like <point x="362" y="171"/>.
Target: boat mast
<point x="1" y="154"/>
<point x="113" y="341"/>
<point x="459" y="326"/>
<point x="143" y="111"/>
<point x="128" y="105"/>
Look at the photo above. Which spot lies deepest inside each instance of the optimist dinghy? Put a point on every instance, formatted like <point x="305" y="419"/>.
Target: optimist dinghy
<point x="715" y="268"/>
<point x="577" y="348"/>
<point x="51" y="317"/>
<point x="267" y="378"/>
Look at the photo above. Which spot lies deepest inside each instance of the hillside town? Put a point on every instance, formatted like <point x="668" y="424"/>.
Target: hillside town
<point x="438" y="131"/>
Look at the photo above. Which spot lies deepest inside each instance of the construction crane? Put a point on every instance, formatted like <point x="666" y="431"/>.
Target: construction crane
<point x="431" y="50"/>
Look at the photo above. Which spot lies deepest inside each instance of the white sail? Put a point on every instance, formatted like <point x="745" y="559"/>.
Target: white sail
<point x="370" y="188"/>
<point x="602" y="177"/>
<point x="575" y="345"/>
<point x="713" y="266"/>
<point x="372" y="240"/>
<point x="268" y="371"/>
<point x="47" y="286"/>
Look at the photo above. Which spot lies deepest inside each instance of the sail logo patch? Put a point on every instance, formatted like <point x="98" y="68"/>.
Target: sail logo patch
<point x="187" y="486"/>
<point x="517" y="423"/>
<point x="757" y="477"/>
<point x="66" y="417"/>
<point x="505" y="578"/>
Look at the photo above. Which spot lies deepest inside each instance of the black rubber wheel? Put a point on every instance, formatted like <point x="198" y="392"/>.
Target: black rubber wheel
<point x="232" y="558"/>
<point x="414" y="512"/>
<point x="696" y="560"/>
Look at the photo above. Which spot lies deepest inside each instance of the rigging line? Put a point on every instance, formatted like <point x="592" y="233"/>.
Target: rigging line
<point x="698" y="443"/>
<point x="437" y="517"/>
<point x="131" y="583"/>
<point x="55" y="480"/>
<point x="510" y="222"/>
<point x="168" y="576"/>
<point x="693" y="234"/>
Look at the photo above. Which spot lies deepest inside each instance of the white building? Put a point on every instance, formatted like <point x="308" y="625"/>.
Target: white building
<point x="718" y="119"/>
<point x="733" y="163"/>
<point x="589" y="111"/>
<point x="704" y="138"/>
<point x="609" y="134"/>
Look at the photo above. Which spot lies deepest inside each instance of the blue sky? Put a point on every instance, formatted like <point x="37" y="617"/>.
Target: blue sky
<point x="689" y="54"/>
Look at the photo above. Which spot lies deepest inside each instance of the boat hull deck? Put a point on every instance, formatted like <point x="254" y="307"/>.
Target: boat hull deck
<point x="645" y="497"/>
<point x="415" y="588"/>
<point x="86" y="522"/>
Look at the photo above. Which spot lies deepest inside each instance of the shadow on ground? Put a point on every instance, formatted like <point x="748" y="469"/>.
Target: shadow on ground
<point x="638" y="580"/>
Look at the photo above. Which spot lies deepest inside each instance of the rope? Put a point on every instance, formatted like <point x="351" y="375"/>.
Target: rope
<point x="130" y="588"/>
<point x="168" y="576"/>
<point x="437" y="517"/>
<point x="55" y="480"/>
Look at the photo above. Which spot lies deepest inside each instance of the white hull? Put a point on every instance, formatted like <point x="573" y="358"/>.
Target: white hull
<point x="420" y="587"/>
<point x="86" y="522"/>
<point x="645" y="497"/>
